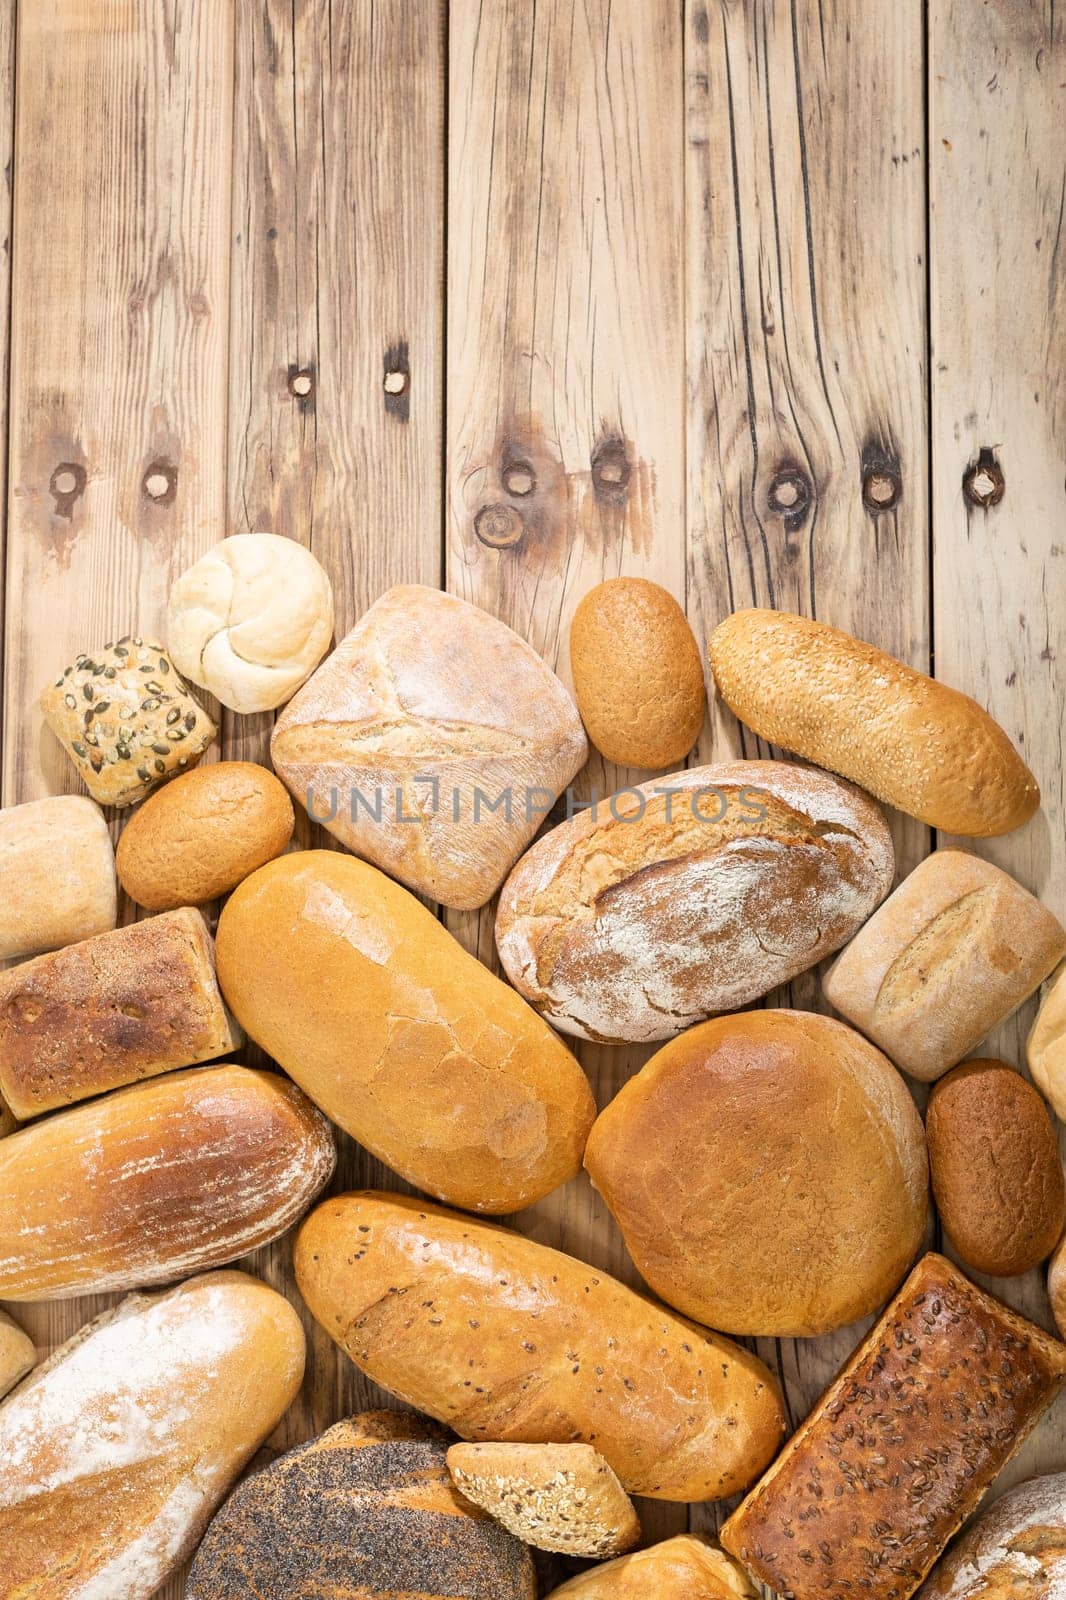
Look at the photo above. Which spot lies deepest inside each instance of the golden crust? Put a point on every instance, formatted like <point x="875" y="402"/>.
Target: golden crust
<point x="688" y="1567"/>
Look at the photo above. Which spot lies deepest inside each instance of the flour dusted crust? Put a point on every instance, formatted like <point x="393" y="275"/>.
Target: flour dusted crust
<point x="428" y="704"/>
<point x="634" y="923"/>
<point x="117" y="1450"/>
<point x="1016" y="1550"/>
<point x="561" y="1497"/>
<point x="688" y="1567"/>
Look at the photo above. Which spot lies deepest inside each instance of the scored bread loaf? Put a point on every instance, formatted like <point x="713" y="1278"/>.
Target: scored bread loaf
<point x="117" y="1450"/>
<point x="432" y="741"/>
<point x="165" y="1178"/>
<point x="17" y="1354"/>
<point x="914" y="743"/>
<point x="503" y="1339"/>
<point x="902" y="1445"/>
<point x="687" y="1567"/>
<point x="103" y="1013"/>
<point x="58" y="872"/>
<point x="405" y="1041"/>
<point x="690" y="895"/>
<point x="366" y="1510"/>
<point x="951" y="954"/>
<point x="1016" y="1549"/>
<point x="559" y="1497"/>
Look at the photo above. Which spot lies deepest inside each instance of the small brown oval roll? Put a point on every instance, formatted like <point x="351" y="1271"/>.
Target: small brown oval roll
<point x="688" y="1567"/>
<point x="503" y="1339"/>
<point x="143" y="1186"/>
<point x="199" y="836"/>
<point x="914" y="743"/>
<point x="637" y="673"/>
<point x="997" y="1174"/>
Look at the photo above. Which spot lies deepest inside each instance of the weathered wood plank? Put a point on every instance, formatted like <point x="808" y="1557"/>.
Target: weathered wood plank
<point x="7" y="110"/>
<point x="565" y="364"/>
<point x="807" y="451"/>
<point x="997" y="97"/>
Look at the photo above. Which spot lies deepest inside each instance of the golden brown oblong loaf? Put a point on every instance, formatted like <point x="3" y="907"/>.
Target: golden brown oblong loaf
<point x="913" y="742"/>
<point x="168" y="1177"/>
<point x="503" y="1339"/>
<point x="691" y="894"/>
<point x="117" y="1450"/>
<point x="901" y="1447"/>
<point x="407" y="1042"/>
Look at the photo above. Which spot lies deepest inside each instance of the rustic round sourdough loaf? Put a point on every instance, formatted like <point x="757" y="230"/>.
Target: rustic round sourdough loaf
<point x="1015" y="1550"/>
<point x="768" y="1173"/>
<point x="366" y="1510"/>
<point x="503" y="1339"/>
<point x="688" y="1567"/>
<point x="690" y="895"/>
<point x="913" y="742"/>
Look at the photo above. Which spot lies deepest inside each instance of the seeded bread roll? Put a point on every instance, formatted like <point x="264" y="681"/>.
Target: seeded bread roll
<point x="17" y="1354"/>
<point x="97" y="1015"/>
<point x="58" y="873"/>
<point x="117" y="1450"/>
<point x="367" y="1510"/>
<point x="189" y="1171"/>
<point x="686" y="1568"/>
<point x="1046" y="1047"/>
<point x="503" y="1339"/>
<point x="914" y="743"/>
<point x="1016" y="1550"/>
<point x="690" y="895"/>
<point x="951" y="954"/>
<point x="901" y="1447"/>
<point x="561" y="1497"/>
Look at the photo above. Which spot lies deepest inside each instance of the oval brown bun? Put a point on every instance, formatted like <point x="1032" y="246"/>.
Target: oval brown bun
<point x="768" y="1173"/>
<point x="688" y="1567"/>
<point x="914" y="743"/>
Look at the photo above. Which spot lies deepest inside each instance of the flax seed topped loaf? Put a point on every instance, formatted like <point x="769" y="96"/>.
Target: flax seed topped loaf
<point x="901" y="1447"/>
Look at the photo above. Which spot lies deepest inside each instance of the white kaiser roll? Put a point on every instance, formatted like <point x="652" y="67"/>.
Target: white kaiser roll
<point x="251" y="620"/>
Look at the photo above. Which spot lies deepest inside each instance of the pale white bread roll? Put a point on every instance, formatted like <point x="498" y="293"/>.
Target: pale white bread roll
<point x="185" y="1172"/>
<point x="433" y="742"/>
<point x="57" y="868"/>
<point x="117" y="1451"/>
<point x="951" y="954"/>
<point x="1046" y="1046"/>
<point x="1016" y="1549"/>
<point x="913" y="742"/>
<point x="688" y="1567"/>
<point x="692" y="894"/>
<point x="251" y="620"/>
<point x="17" y="1354"/>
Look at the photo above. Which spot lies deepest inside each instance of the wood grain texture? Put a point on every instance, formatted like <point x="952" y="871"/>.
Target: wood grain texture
<point x="807" y="451"/>
<point x="997" y="106"/>
<point x="7" y="134"/>
<point x="565" y="369"/>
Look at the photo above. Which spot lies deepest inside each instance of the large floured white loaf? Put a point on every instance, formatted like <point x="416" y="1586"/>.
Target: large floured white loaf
<point x="1016" y="1550"/>
<point x="690" y="895"/>
<point x="116" y="1451"/>
<point x="432" y="742"/>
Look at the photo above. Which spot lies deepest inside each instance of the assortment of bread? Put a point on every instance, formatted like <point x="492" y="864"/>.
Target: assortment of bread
<point x="768" y="1171"/>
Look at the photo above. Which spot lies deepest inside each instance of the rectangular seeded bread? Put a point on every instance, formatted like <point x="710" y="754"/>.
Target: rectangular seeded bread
<point x="901" y="1447"/>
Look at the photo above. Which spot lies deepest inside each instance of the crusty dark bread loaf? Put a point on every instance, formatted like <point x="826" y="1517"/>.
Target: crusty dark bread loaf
<point x="504" y="1339"/>
<point x="187" y="1171"/>
<point x="901" y="1447"/>
<point x="121" y="1006"/>
<point x="117" y="1450"/>
<point x="1016" y="1549"/>
<point x="913" y="742"/>
<point x="367" y="1510"/>
<point x="661" y="908"/>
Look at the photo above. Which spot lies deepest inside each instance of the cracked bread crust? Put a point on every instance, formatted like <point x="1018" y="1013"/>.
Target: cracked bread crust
<point x="1016" y="1550"/>
<point x="690" y="895"/>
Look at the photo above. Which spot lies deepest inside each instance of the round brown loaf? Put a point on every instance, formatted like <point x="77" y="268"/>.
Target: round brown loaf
<point x="914" y="743"/>
<point x="199" y="836"/>
<point x="688" y="1567"/>
<point x="768" y="1173"/>
<point x="997" y="1175"/>
<point x="637" y="674"/>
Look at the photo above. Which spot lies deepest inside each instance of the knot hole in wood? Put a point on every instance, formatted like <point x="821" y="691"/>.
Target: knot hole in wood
<point x="301" y="385"/>
<point x="983" y="482"/>
<point x="66" y="484"/>
<point x="160" y="483"/>
<point x="498" y="526"/>
<point x="396" y="380"/>
<point x="882" y="475"/>
<point x="611" y="470"/>
<point x="789" y="496"/>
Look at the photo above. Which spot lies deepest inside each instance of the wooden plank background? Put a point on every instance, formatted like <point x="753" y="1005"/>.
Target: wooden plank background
<point x="765" y="301"/>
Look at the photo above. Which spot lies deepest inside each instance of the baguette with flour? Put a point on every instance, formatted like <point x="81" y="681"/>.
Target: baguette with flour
<point x="117" y="1450"/>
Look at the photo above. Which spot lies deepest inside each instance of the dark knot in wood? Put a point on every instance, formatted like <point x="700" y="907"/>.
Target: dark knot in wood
<point x="518" y="477"/>
<point x="881" y="489"/>
<point x="301" y="382"/>
<point x="499" y="526"/>
<point x="983" y="483"/>
<point x="160" y="483"/>
<point x="882" y="473"/>
<point x="66" y="484"/>
<point x="611" y="470"/>
<point x="789" y="495"/>
<point x="396" y="380"/>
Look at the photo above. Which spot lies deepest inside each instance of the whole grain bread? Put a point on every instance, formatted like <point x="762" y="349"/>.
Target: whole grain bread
<point x="501" y="1338"/>
<point x="688" y="1567"/>
<point x="367" y="1509"/>
<point x="690" y="895"/>
<point x="17" y="1354"/>
<point x="559" y="1497"/>
<point x="913" y="742"/>
<point x="951" y="954"/>
<point x="1016" y="1549"/>
<point x="902" y="1445"/>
